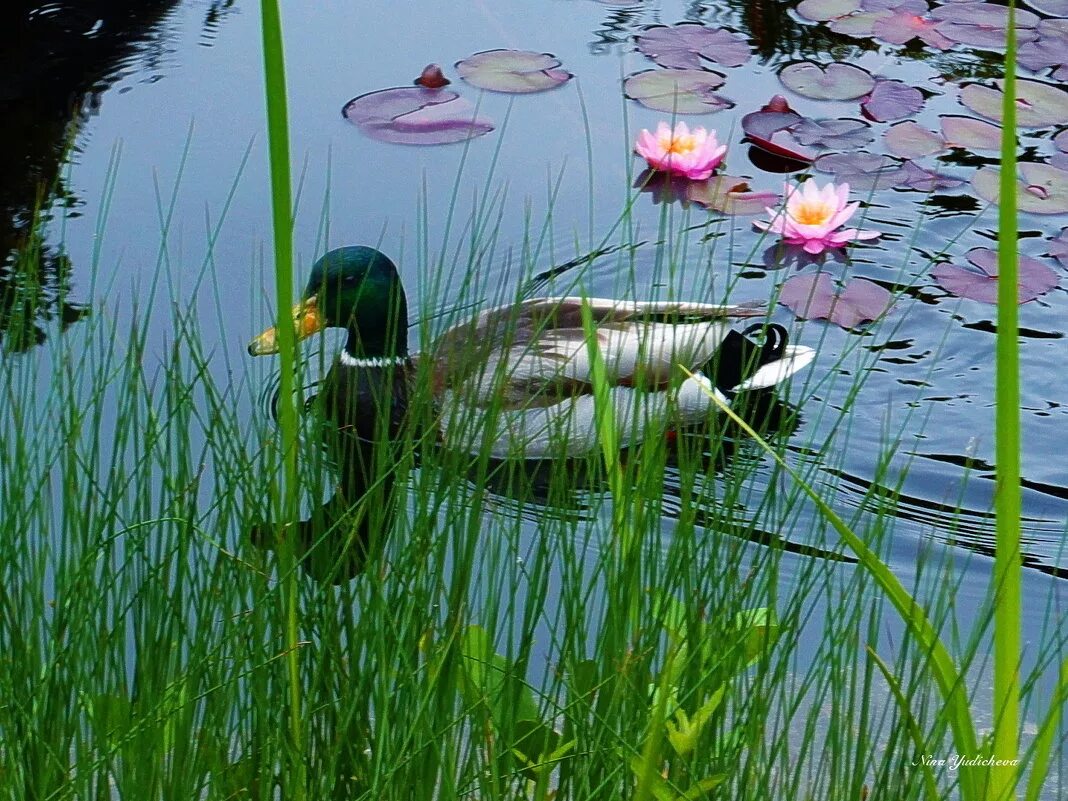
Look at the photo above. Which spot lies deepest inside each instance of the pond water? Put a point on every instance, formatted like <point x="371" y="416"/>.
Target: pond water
<point x="181" y="91"/>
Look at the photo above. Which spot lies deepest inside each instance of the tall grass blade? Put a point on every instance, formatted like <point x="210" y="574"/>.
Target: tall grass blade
<point x="281" y="212"/>
<point x="1007" y="500"/>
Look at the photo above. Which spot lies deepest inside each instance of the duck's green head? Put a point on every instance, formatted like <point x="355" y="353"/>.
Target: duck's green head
<point x="356" y="288"/>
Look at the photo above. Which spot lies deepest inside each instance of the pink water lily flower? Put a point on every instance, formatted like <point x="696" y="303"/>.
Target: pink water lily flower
<point x="812" y="217"/>
<point x="690" y="154"/>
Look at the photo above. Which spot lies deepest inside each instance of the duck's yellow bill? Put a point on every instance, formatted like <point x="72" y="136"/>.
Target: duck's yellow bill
<point x="306" y="321"/>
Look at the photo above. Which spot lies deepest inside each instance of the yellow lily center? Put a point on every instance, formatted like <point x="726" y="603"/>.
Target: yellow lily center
<point x="813" y="213"/>
<point x="679" y="145"/>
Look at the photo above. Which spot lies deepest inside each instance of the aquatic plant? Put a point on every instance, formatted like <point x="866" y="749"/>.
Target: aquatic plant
<point x="692" y="154"/>
<point x="813" y="217"/>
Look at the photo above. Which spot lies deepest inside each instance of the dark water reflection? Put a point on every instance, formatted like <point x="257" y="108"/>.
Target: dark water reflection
<point x="58" y="58"/>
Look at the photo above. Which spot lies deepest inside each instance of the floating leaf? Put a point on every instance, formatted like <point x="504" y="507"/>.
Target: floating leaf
<point x="891" y="100"/>
<point x="907" y="23"/>
<point x="410" y="115"/>
<point x="913" y="176"/>
<point x="1033" y="280"/>
<point x="432" y="77"/>
<point x="841" y="134"/>
<point x="910" y="140"/>
<point x="690" y="45"/>
<point x="1049" y="49"/>
<point x="1058" y="247"/>
<point x="970" y="133"/>
<point x="1060" y="141"/>
<point x="1040" y="188"/>
<point x="982" y="24"/>
<point x="766" y="129"/>
<point x="513" y="71"/>
<point x="910" y="6"/>
<point x="1055" y="8"/>
<point x="863" y="172"/>
<point x="1038" y="104"/>
<point x="813" y="297"/>
<point x="859" y="26"/>
<point x="730" y="195"/>
<point x="835" y="81"/>
<point x="824" y="10"/>
<point x="677" y="91"/>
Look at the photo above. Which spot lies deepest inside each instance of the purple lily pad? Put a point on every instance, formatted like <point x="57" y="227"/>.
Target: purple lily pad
<point x="841" y="134"/>
<point x="982" y="24"/>
<point x="1049" y="49"/>
<point x="891" y="100"/>
<point x="730" y="195"/>
<point x="860" y="25"/>
<point x="1055" y="8"/>
<point x="910" y="6"/>
<point x="513" y="71"/>
<point x="824" y="10"/>
<point x="767" y="129"/>
<point x="866" y="172"/>
<point x="411" y="115"/>
<point x="913" y="176"/>
<point x="905" y="24"/>
<point x="835" y="81"/>
<point x="1060" y="141"/>
<point x="1038" y="104"/>
<point x="863" y="172"/>
<point x="970" y="133"/>
<point x="1034" y="278"/>
<point x="690" y="45"/>
<point x="1058" y="247"/>
<point x="813" y="297"/>
<point x="677" y="91"/>
<point x="1040" y="188"/>
<point x="910" y="140"/>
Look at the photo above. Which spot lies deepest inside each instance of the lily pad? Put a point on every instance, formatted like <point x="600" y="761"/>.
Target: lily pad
<point x="813" y="297"/>
<point x="1040" y="188"/>
<point x="970" y="133"/>
<point x="1060" y="141"/>
<point x="982" y="24"/>
<point x="513" y="71"/>
<point x="1034" y="279"/>
<point x="910" y="140"/>
<point x="863" y="172"/>
<point x="906" y="23"/>
<point x="835" y="81"/>
<point x="860" y="25"/>
<point x="1058" y="247"/>
<point x="730" y="195"/>
<point x="1055" y="8"/>
<point x="767" y="130"/>
<point x="1038" y="104"/>
<point x="690" y="45"/>
<point x="891" y="100"/>
<point x="841" y="134"/>
<point x="1048" y="49"/>
<point x="412" y="115"/>
<point x="677" y="91"/>
<point x="824" y="10"/>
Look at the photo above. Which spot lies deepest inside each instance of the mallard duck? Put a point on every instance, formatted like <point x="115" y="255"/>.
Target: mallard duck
<point x="516" y="379"/>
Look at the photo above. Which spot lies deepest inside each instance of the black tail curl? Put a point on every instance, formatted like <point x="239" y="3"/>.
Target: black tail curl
<point x="739" y="357"/>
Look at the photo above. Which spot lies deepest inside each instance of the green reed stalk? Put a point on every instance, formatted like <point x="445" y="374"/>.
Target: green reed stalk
<point x="1007" y="500"/>
<point x="281" y="212"/>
